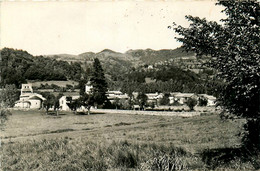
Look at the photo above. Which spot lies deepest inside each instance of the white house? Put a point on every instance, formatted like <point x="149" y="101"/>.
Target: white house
<point x="63" y="102"/>
<point x="154" y="97"/>
<point x="211" y="99"/>
<point x="114" y="95"/>
<point x="88" y="87"/>
<point x="183" y="97"/>
<point x="28" y="99"/>
<point x="64" y="99"/>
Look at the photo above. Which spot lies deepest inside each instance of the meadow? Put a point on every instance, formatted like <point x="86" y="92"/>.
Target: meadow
<point x="33" y="140"/>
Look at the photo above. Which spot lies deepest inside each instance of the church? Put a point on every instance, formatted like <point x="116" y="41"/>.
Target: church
<point x="28" y="99"/>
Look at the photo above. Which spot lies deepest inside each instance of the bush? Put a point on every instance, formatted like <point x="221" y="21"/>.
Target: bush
<point x="4" y="114"/>
<point x="203" y="101"/>
<point x="191" y="103"/>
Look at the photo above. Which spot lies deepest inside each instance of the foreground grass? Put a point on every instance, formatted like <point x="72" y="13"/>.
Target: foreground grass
<point x="67" y="155"/>
<point x="34" y="141"/>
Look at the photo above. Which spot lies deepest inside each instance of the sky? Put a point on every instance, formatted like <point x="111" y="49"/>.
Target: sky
<point x="43" y="28"/>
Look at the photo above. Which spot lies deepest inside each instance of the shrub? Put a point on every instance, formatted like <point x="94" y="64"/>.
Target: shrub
<point x="4" y="114"/>
<point x="191" y="103"/>
<point x="203" y="101"/>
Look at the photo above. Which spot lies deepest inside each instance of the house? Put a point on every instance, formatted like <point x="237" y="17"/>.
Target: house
<point x="88" y="87"/>
<point x="183" y="97"/>
<point x="211" y="99"/>
<point x="154" y="97"/>
<point x="64" y="102"/>
<point x="116" y="95"/>
<point x="172" y="97"/>
<point x="28" y="99"/>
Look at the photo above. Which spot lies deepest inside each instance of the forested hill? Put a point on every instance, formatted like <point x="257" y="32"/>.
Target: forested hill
<point x="123" y="71"/>
<point x="116" y="64"/>
<point x="17" y="66"/>
<point x="134" y="57"/>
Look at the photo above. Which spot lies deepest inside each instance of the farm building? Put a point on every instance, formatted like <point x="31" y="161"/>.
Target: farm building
<point x="28" y="99"/>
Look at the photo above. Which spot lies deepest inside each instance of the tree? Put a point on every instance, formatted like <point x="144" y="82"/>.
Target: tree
<point x="99" y="83"/>
<point x="73" y="104"/>
<point x="57" y="103"/>
<point x="234" y="48"/>
<point x="191" y="103"/>
<point x="49" y="102"/>
<point x="4" y="115"/>
<point x="203" y="101"/>
<point x="82" y="84"/>
<point x="9" y="95"/>
<point x="87" y="101"/>
<point x="142" y="99"/>
<point x="165" y="100"/>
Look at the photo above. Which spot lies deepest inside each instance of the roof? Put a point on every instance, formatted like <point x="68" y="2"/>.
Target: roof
<point x="152" y="95"/>
<point x="73" y="97"/>
<point x="210" y="97"/>
<point x="114" y="92"/>
<point x="21" y="101"/>
<point x="115" y="96"/>
<point x="36" y="96"/>
<point x="184" y="95"/>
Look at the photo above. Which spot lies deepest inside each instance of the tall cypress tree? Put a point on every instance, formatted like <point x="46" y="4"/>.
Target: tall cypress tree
<point x="99" y="83"/>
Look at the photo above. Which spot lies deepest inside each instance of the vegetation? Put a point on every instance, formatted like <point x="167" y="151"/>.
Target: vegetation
<point x="99" y="83"/>
<point x="169" y="79"/>
<point x="18" y="66"/>
<point x="9" y="95"/>
<point x="165" y="100"/>
<point x="73" y="104"/>
<point x="4" y="114"/>
<point x="234" y="48"/>
<point x="191" y="103"/>
<point x="86" y="100"/>
<point x="51" y="101"/>
<point x="65" y="154"/>
<point x="142" y="100"/>
<point x="202" y="101"/>
<point x="122" y="142"/>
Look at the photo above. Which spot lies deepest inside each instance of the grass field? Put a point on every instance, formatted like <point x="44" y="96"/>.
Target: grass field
<point x="111" y="141"/>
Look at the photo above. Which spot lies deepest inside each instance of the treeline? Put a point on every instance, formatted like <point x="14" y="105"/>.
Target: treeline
<point x="17" y="66"/>
<point x="169" y="79"/>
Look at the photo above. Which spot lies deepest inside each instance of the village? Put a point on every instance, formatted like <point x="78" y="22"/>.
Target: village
<point x="32" y="100"/>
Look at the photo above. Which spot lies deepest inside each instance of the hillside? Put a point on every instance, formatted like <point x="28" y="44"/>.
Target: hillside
<point x="172" y="70"/>
<point x="17" y="66"/>
<point x="132" y="57"/>
<point x="116" y="64"/>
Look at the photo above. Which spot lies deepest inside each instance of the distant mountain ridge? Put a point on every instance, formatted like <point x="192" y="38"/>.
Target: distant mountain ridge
<point x="133" y="57"/>
<point x="116" y="64"/>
